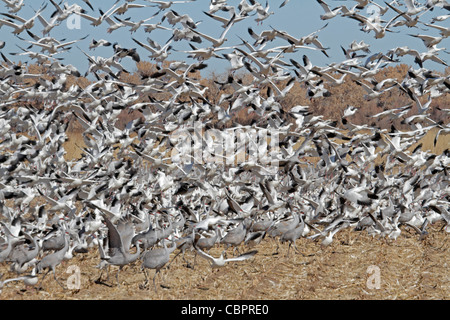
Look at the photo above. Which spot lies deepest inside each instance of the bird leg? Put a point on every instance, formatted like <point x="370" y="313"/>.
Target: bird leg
<point x="290" y="243"/>
<point x="188" y="265"/>
<point x="42" y="280"/>
<point x="107" y="272"/>
<point x="100" y="281"/>
<point x="224" y="252"/>
<point x="175" y="258"/>
<point x="195" y="260"/>
<point x="298" y="251"/>
<point x="164" y="279"/>
<point x="278" y="247"/>
<point x="154" y="277"/>
<point x="117" y="276"/>
<point x="54" y="276"/>
<point x="144" y="285"/>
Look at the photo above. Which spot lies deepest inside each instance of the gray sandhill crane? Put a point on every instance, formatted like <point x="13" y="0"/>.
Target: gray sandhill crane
<point x="103" y="260"/>
<point x="156" y="259"/>
<point x="119" y="254"/>
<point x="281" y="227"/>
<point x="51" y="261"/>
<point x="54" y="240"/>
<point x="148" y="238"/>
<point x="152" y="236"/>
<point x="21" y="255"/>
<point x="206" y="243"/>
<point x="293" y="234"/>
<point x="235" y="237"/>
<point x="184" y="244"/>
<point x="11" y="240"/>
<point x="257" y="232"/>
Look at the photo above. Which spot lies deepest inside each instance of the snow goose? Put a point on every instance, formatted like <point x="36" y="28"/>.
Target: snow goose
<point x="329" y="14"/>
<point x="221" y="261"/>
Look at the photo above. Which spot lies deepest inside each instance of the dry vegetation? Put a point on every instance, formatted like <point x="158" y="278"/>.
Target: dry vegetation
<point x="409" y="269"/>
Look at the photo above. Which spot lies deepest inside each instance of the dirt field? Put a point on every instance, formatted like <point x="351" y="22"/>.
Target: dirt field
<point x="354" y="266"/>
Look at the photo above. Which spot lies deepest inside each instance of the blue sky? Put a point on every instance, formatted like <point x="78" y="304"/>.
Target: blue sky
<point x="298" y="18"/>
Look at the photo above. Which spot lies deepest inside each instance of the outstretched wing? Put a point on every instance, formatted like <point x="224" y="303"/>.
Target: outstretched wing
<point x="244" y="256"/>
<point x="114" y="240"/>
<point x="203" y="254"/>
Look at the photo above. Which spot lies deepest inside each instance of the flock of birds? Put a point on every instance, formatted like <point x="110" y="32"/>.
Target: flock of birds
<point x="131" y="198"/>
